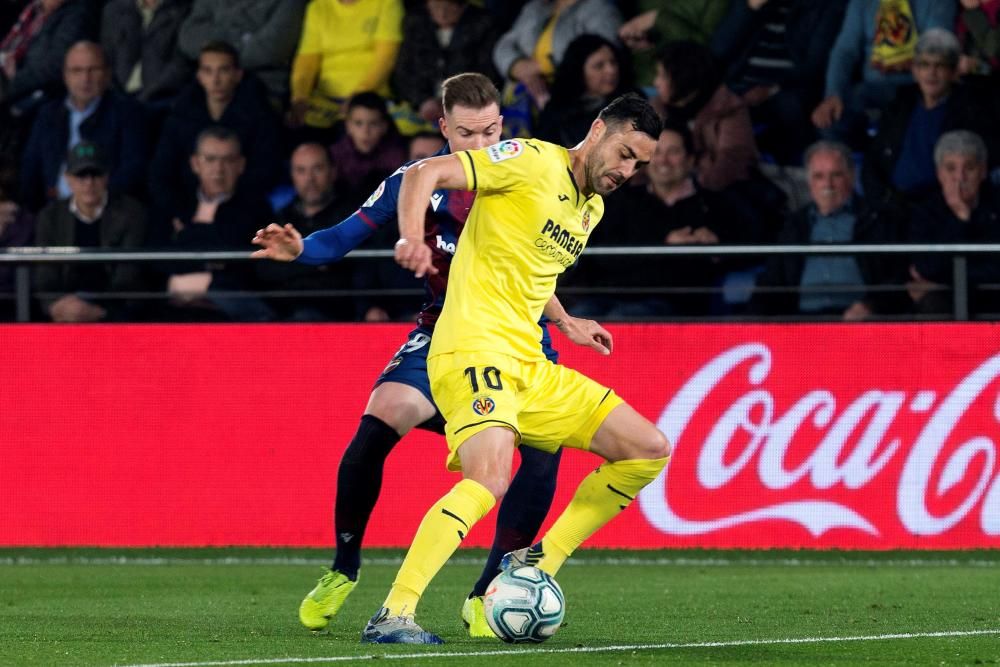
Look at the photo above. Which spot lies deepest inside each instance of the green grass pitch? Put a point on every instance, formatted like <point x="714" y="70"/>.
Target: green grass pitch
<point x="238" y="607"/>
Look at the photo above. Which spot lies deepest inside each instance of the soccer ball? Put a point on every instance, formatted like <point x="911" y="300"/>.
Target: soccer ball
<point x="524" y="605"/>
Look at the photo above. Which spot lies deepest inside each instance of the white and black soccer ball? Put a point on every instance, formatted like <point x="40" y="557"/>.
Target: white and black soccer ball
<point x="524" y="605"/>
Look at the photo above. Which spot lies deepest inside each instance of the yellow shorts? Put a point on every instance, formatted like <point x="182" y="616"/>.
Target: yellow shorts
<point x="544" y="404"/>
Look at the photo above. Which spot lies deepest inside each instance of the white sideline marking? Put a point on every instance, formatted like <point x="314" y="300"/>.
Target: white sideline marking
<point x="584" y="649"/>
<point x="611" y="561"/>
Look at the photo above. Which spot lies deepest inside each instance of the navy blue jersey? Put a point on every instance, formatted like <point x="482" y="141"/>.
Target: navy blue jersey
<point x="446" y="215"/>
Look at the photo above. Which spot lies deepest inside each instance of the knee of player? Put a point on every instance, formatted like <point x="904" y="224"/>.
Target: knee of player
<point x="495" y="484"/>
<point x="652" y="445"/>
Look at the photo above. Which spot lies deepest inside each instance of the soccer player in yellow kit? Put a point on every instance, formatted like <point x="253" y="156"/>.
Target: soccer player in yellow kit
<point x="535" y="208"/>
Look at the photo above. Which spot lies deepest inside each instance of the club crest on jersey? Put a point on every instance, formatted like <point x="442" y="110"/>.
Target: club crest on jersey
<point x="483" y="406"/>
<point x="375" y="195"/>
<point x="505" y="150"/>
<point x="391" y="366"/>
<point x="586" y="221"/>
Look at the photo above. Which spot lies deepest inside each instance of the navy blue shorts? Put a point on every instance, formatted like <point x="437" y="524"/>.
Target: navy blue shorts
<point x="409" y="366"/>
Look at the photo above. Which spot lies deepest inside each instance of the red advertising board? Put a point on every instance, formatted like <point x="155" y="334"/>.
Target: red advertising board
<point x="820" y="436"/>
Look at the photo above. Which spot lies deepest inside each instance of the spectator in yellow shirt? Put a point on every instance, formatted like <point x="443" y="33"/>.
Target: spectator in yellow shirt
<point x="347" y="46"/>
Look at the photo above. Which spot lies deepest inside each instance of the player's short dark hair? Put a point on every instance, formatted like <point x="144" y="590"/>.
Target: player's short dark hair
<point x="469" y="89"/>
<point x="220" y="133"/>
<point x="680" y="128"/>
<point x="221" y="46"/>
<point x="634" y="110"/>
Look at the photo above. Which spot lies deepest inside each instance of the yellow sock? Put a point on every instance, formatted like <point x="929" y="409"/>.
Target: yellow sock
<point x="601" y="496"/>
<point x="443" y="528"/>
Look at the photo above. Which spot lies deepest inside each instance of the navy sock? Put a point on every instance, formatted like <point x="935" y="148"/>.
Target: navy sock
<point x="359" y="481"/>
<point x="523" y="509"/>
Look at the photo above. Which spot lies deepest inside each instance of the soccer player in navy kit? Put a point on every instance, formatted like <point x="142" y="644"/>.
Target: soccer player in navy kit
<point x="401" y="399"/>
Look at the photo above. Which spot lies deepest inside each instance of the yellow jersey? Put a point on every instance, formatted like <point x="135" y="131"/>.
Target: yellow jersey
<point x="529" y="223"/>
<point x="345" y="36"/>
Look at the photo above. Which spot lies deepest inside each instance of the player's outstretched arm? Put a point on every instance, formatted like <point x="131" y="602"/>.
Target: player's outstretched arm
<point x="282" y="243"/>
<point x="419" y="183"/>
<point x="285" y="243"/>
<point x="581" y="331"/>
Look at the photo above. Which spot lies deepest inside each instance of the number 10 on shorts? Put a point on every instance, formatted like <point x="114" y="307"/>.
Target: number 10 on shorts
<point x="490" y="376"/>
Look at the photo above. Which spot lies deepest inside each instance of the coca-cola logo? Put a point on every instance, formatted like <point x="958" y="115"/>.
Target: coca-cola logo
<point x="855" y="441"/>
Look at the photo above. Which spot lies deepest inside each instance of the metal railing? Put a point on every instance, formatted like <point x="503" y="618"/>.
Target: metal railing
<point x="24" y="257"/>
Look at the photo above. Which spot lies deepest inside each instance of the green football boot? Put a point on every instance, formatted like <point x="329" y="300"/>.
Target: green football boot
<point x="474" y="618"/>
<point x="324" y="601"/>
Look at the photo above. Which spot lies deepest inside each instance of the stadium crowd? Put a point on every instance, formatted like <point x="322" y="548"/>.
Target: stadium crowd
<point x="188" y="125"/>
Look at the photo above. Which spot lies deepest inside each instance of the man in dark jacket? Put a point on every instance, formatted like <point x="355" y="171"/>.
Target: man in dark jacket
<point x="89" y="111"/>
<point x="964" y="208"/>
<point x="218" y="213"/>
<point x="33" y="67"/>
<point x="830" y="285"/>
<point x="91" y="217"/>
<point x="671" y="209"/>
<point x="140" y="39"/>
<point x="264" y="32"/>
<point x="317" y="205"/>
<point x="447" y="38"/>
<point x="223" y="96"/>
<point x="777" y="52"/>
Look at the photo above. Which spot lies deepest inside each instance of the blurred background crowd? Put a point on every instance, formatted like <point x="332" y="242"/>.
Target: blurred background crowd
<point x="189" y="124"/>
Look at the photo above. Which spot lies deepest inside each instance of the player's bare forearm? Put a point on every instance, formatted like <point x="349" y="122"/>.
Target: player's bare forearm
<point x="580" y="331"/>
<point x="419" y="183"/>
<point x="554" y="310"/>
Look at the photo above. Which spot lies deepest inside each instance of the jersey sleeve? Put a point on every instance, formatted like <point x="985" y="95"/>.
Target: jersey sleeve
<point x="311" y="40"/>
<point x="333" y="243"/>
<point x="508" y="165"/>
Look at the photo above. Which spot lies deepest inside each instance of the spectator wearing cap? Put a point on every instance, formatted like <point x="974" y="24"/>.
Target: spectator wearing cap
<point x="91" y="112"/>
<point x="91" y="217"/>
